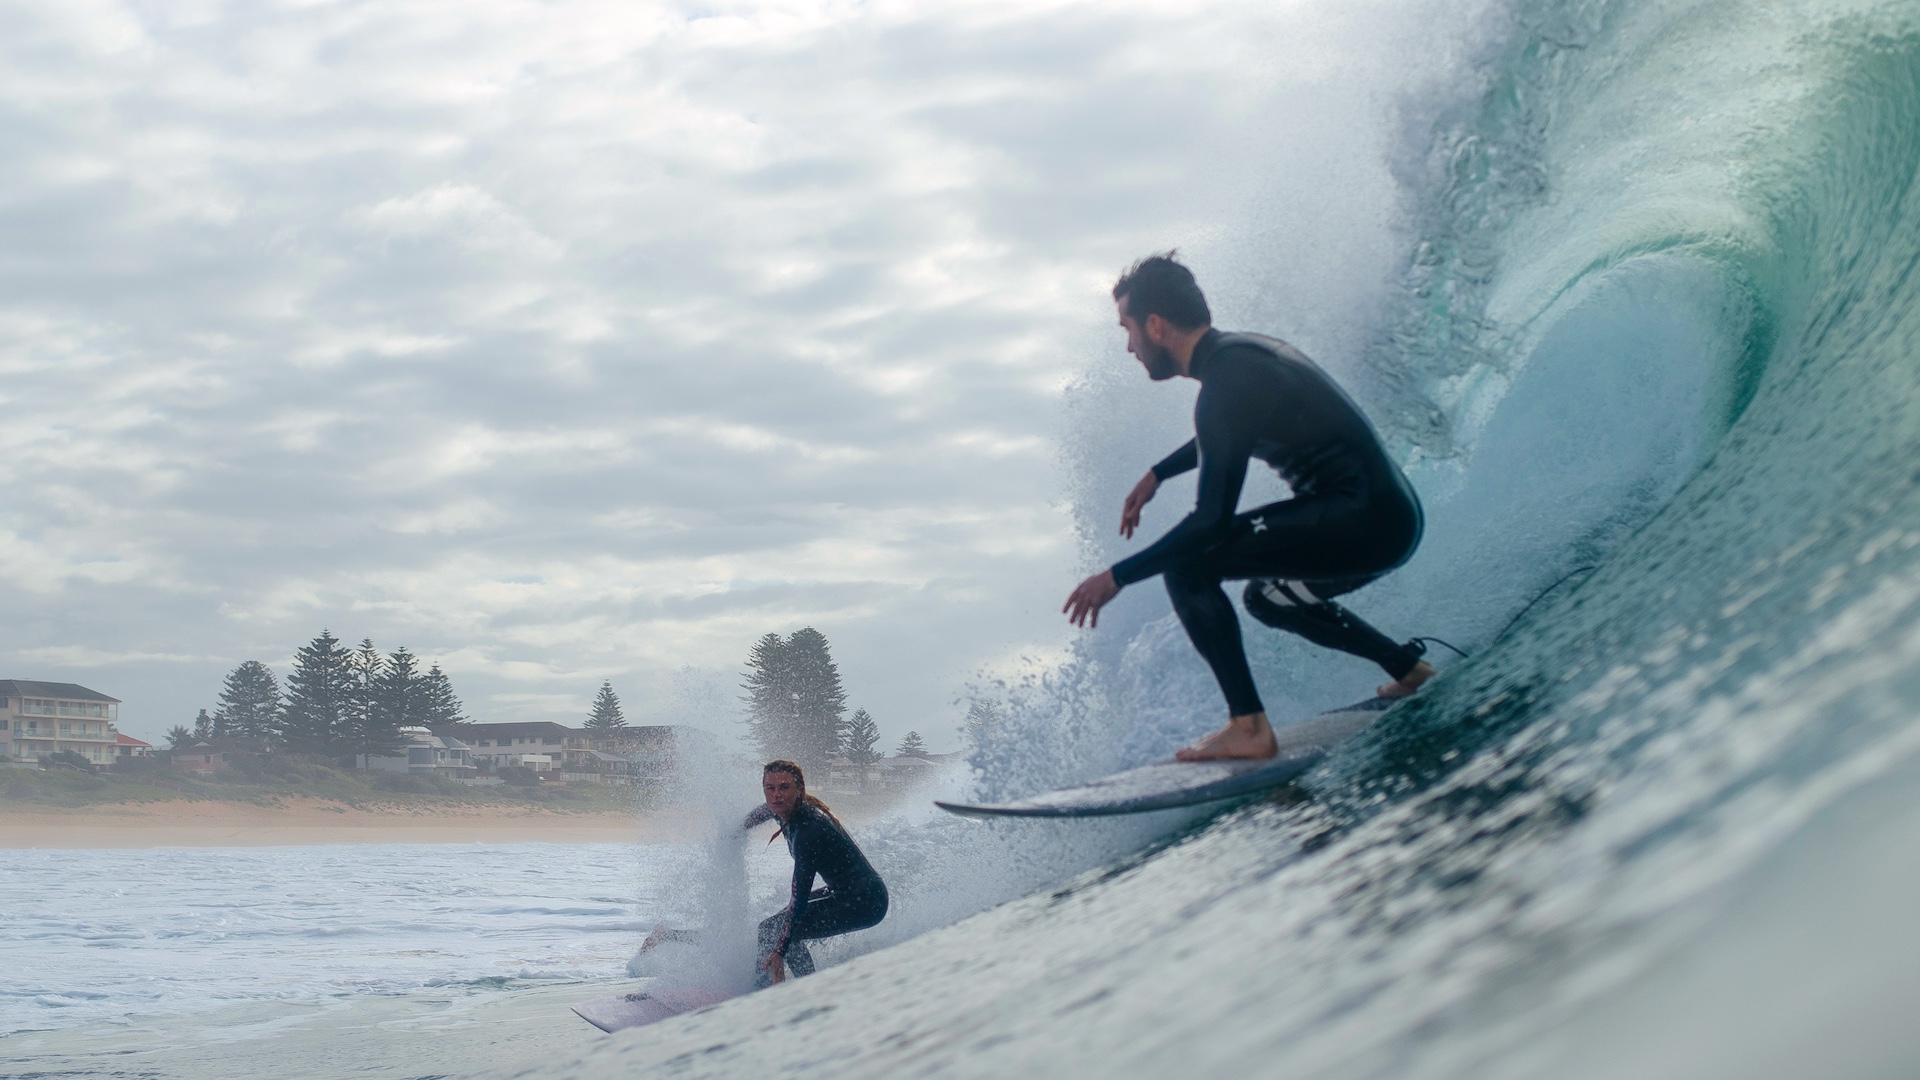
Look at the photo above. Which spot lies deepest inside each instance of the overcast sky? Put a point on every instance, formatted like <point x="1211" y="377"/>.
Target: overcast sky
<point x="572" y="341"/>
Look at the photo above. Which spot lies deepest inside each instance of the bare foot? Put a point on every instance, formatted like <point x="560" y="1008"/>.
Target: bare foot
<point x="1244" y="737"/>
<point x="1411" y="681"/>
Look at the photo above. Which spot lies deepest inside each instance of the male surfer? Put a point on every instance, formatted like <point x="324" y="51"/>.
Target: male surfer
<point x="855" y="897"/>
<point x="1352" y="518"/>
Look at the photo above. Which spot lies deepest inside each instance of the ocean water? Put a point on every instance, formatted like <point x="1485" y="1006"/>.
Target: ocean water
<point x="1654" y="362"/>
<point x="319" y="961"/>
<point x="102" y="936"/>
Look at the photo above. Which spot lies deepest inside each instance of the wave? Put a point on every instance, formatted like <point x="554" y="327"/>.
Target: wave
<point x="1659" y="319"/>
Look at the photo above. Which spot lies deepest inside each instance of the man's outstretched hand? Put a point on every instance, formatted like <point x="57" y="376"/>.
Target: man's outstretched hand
<point x="1083" y="607"/>
<point x="1137" y="499"/>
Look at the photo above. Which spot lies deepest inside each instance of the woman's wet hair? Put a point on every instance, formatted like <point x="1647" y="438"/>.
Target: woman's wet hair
<point x="792" y="769"/>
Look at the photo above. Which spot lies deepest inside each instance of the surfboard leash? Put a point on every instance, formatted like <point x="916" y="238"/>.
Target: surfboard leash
<point x="1422" y="642"/>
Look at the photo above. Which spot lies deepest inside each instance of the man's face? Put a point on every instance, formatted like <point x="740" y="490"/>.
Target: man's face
<point x="1157" y="359"/>
<point x="782" y="791"/>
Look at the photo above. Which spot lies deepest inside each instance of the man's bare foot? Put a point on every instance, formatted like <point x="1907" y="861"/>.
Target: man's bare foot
<point x="1408" y="683"/>
<point x="1244" y="737"/>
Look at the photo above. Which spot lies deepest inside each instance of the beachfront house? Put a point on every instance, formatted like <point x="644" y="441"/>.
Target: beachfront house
<point x="892" y="774"/>
<point x="201" y="757"/>
<point x="540" y="745"/>
<point x="46" y="718"/>
<point x="126" y="747"/>
<point x="642" y="754"/>
<point x="424" y="754"/>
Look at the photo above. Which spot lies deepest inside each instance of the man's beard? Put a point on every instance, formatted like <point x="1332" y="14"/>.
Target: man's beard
<point x="1158" y="360"/>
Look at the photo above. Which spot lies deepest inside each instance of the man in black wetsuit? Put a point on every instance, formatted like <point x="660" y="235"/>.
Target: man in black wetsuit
<point x="1352" y="518"/>
<point x="855" y="897"/>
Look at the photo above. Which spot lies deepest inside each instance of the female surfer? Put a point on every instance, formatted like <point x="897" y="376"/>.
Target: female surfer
<point x="854" y="899"/>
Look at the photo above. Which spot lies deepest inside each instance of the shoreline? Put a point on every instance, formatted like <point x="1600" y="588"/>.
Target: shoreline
<point x="305" y="820"/>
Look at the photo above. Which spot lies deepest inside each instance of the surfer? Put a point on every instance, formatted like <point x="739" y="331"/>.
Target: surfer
<point x="855" y="897"/>
<point x="1352" y="518"/>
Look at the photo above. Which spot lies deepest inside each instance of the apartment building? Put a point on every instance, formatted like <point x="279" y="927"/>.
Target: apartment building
<point x="628" y="753"/>
<point x="43" y="718"/>
<point x="541" y="745"/>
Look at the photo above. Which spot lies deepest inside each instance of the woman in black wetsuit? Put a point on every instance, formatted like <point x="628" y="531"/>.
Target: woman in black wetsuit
<point x="854" y="899"/>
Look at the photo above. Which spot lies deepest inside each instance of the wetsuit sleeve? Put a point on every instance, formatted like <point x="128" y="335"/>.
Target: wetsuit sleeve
<point x="759" y="815"/>
<point x="804" y="867"/>
<point x="1227" y="419"/>
<point x="1185" y="459"/>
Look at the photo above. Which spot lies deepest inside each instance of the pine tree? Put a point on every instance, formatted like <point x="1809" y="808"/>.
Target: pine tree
<point x="319" y="695"/>
<point x="796" y="706"/>
<point x="403" y="690"/>
<point x="862" y="741"/>
<point x="983" y="720"/>
<point x="439" y="707"/>
<point x="203" y="727"/>
<point x="249" y="702"/>
<point x="360" y="720"/>
<point x="606" y="718"/>
<point x="912" y="746"/>
<point x="769" y="700"/>
<point x="820" y="703"/>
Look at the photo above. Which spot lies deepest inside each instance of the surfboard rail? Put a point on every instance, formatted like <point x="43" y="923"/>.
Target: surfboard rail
<point x="1168" y="785"/>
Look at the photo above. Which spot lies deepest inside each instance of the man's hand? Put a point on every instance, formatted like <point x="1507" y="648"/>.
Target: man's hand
<point x="1139" y="497"/>
<point x="1083" y="607"/>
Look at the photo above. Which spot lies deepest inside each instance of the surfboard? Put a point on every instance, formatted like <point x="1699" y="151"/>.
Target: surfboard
<point x="1165" y="785"/>
<point x="646" y="1007"/>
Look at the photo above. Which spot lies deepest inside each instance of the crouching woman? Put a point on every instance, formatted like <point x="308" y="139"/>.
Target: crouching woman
<point x="854" y="897"/>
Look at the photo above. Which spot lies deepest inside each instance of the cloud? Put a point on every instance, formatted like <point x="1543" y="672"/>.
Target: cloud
<point x="591" y="340"/>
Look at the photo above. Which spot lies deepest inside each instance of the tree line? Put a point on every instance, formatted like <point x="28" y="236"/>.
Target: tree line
<point x="337" y="700"/>
<point x="797" y="708"/>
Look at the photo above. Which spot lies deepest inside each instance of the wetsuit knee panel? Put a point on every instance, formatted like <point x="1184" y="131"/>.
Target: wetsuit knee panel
<point x="1287" y="605"/>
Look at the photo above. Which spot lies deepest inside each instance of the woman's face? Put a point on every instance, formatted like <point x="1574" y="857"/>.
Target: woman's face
<point x="783" y="792"/>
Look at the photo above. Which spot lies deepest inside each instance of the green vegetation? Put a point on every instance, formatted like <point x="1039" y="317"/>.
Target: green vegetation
<point x="337" y="701"/>
<point x="268" y="779"/>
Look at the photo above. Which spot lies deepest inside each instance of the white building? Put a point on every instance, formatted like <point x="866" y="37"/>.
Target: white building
<point x="44" y="718"/>
<point x="424" y="754"/>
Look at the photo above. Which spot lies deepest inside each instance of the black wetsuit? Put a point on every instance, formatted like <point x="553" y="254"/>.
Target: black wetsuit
<point x="1352" y="518"/>
<point x="854" y="899"/>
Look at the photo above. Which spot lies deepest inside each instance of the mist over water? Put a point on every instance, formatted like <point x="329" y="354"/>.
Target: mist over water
<point x="1656" y="317"/>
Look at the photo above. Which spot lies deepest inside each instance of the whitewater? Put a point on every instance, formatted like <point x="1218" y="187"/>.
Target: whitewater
<point x="1652" y="363"/>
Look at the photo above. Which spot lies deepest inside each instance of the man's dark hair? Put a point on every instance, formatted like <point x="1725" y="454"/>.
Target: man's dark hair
<point x="1159" y="285"/>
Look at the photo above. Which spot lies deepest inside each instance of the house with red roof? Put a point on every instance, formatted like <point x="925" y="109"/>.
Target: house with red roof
<point x="126" y="747"/>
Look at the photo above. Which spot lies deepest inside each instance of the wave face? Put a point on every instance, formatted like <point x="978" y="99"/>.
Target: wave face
<point x="1661" y="319"/>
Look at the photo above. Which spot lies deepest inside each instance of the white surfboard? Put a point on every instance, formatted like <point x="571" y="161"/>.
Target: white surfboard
<point x="646" y="1007"/>
<point x="1165" y="785"/>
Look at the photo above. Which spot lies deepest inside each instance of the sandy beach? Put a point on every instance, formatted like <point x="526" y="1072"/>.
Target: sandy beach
<point x="311" y="821"/>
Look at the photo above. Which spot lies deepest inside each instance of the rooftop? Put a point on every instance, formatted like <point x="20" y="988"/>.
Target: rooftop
<point x="66" y="690"/>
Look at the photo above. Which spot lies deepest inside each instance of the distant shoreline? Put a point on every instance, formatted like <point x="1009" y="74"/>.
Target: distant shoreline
<point x="302" y="820"/>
